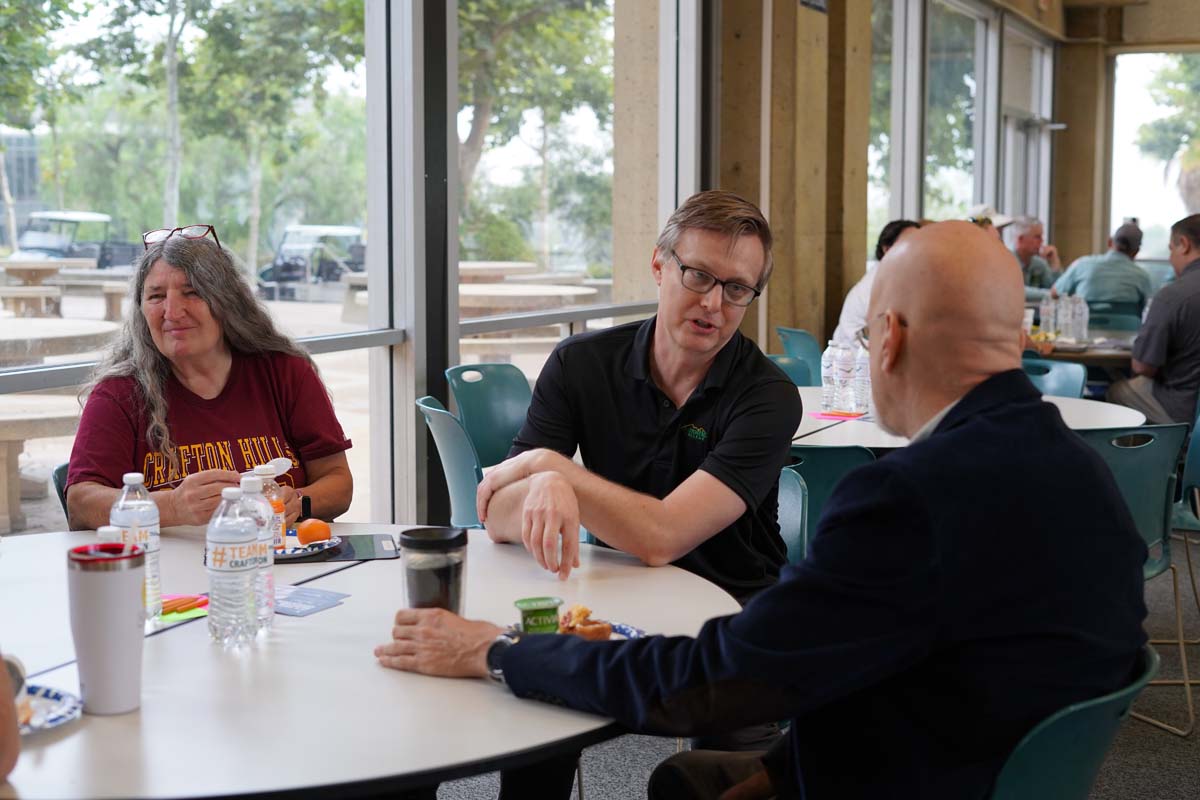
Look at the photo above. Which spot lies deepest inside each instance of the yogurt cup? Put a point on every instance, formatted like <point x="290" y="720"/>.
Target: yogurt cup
<point x="539" y="614"/>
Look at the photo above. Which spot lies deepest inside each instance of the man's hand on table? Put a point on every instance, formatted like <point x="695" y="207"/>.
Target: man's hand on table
<point x="194" y="500"/>
<point x="550" y="513"/>
<point x="433" y="641"/>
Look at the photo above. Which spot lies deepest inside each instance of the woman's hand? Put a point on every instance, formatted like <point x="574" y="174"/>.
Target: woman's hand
<point x="193" y="501"/>
<point x="291" y="504"/>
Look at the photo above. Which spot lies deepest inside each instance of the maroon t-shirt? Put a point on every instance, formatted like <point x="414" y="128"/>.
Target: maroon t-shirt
<point x="272" y="405"/>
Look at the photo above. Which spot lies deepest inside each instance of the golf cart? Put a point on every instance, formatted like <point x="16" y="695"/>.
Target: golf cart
<point x="72" y="234"/>
<point x="316" y="254"/>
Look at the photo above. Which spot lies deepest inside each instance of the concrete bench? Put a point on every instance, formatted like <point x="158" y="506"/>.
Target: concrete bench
<point x="32" y="301"/>
<point x="354" y="297"/>
<point x="23" y="417"/>
<point x="114" y="293"/>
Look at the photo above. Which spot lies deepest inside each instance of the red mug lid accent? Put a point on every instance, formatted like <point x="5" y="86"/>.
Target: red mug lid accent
<point x="105" y="551"/>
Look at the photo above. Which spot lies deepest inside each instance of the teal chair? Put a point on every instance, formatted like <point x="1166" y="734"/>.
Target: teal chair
<point x="492" y="401"/>
<point x="795" y="369"/>
<point x="793" y="505"/>
<point x="1143" y="461"/>
<point x="802" y="345"/>
<point x="459" y="462"/>
<point x="1058" y="378"/>
<point x="60" y="484"/>
<point x="822" y="468"/>
<point x="1114" y="322"/>
<point x="1183" y="514"/>
<point x="1059" y="758"/>
<point x="1104" y="307"/>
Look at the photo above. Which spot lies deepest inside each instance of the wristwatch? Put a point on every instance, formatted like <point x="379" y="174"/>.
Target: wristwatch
<point x="305" y="506"/>
<point x="495" y="654"/>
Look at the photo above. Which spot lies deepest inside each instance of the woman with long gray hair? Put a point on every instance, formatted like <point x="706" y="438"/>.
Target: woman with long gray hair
<point x="200" y="387"/>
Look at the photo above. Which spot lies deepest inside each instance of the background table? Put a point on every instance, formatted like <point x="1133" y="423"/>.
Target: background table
<point x="28" y="341"/>
<point x="1077" y="413"/>
<point x="309" y="708"/>
<point x="22" y="417"/>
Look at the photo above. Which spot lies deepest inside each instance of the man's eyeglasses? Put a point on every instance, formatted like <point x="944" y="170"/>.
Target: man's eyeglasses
<point x="700" y="282"/>
<point x="187" y="232"/>
<point x="863" y="334"/>
<point x="982" y="222"/>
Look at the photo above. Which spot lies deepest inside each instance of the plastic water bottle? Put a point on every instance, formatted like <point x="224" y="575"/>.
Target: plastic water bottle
<point x="1081" y="318"/>
<point x="272" y="492"/>
<point x="862" y="380"/>
<point x="844" y="366"/>
<point x="1046" y="312"/>
<point x="230" y="552"/>
<point x="137" y="517"/>
<point x="828" y="378"/>
<point x="264" y="579"/>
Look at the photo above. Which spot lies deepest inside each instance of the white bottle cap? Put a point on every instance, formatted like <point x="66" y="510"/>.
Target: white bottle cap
<point x="231" y="493"/>
<point x="264" y="471"/>
<point x="108" y="533"/>
<point x="251" y="484"/>
<point x="133" y="478"/>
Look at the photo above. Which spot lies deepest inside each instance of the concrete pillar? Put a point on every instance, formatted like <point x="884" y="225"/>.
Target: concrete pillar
<point x="1081" y="154"/>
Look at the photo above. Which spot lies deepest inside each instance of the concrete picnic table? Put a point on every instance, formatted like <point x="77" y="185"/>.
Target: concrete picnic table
<point x="28" y="341"/>
<point x="22" y="417"/>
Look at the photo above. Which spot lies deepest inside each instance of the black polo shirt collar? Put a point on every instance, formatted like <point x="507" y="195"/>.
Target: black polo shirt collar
<point x="637" y="365"/>
<point x="1191" y="267"/>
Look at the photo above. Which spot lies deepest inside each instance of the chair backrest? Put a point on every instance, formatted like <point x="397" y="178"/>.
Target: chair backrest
<point x="822" y="468"/>
<point x="1115" y="322"/>
<point x="1106" y="307"/>
<point x="60" y="484"/>
<point x="492" y="402"/>
<point x="459" y="462"/>
<point x="793" y="505"/>
<point x="1058" y="378"/>
<point x="1191" y="464"/>
<point x="795" y="369"/>
<point x="1143" y="462"/>
<point x="1060" y="757"/>
<point x="802" y="345"/>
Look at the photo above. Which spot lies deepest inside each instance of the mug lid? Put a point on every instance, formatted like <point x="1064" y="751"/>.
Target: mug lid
<point x="106" y="557"/>
<point x="434" y="539"/>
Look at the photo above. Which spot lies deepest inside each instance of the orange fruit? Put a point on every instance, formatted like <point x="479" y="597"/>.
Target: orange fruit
<point x="312" y="530"/>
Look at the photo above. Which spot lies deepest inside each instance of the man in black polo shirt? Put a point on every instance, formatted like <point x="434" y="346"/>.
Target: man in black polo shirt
<point x="1166" y="353"/>
<point x="682" y="423"/>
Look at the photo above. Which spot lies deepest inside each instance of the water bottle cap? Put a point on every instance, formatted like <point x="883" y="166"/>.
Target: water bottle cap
<point x="108" y="533"/>
<point x="264" y="471"/>
<point x="133" y="478"/>
<point x="231" y="493"/>
<point x="251" y="484"/>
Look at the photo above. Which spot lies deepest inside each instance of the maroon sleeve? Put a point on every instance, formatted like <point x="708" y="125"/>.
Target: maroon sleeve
<point x="106" y="442"/>
<point x="312" y="428"/>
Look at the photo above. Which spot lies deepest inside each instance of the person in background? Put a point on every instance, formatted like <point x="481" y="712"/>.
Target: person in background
<point x="909" y="661"/>
<point x="1166" y="352"/>
<point x="1040" y="265"/>
<point x="854" y="307"/>
<point x="1111" y="277"/>
<point x="10" y="737"/>
<point x="199" y="387"/>
<point x="989" y="219"/>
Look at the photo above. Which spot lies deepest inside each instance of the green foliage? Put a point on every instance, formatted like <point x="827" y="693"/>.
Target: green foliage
<point x="496" y="224"/>
<point x="1176" y="136"/>
<point x="25" y="28"/>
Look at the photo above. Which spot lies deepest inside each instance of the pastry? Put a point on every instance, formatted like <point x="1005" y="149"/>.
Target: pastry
<point x="578" y="621"/>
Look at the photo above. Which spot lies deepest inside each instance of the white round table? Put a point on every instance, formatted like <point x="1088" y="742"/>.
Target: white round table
<point x="1079" y="414"/>
<point x="309" y="708"/>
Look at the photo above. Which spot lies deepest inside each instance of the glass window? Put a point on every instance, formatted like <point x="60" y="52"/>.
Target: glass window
<point x="879" y="146"/>
<point x="535" y="156"/>
<point x="953" y="92"/>
<point x="1025" y="109"/>
<point x="256" y="124"/>
<point x="1155" y="150"/>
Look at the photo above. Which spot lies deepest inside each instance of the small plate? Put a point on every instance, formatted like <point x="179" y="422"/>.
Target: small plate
<point x="619" y="631"/>
<point x="51" y="708"/>
<point x="293" y="553"/>
<point x="1078" y="347"/>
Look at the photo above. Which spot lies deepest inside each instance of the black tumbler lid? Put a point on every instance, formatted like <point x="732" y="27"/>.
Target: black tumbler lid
<point x="434" y="539"/>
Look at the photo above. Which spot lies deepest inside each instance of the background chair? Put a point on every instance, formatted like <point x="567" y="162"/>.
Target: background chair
<point x="1115" y="322"/>
<point x="802" y="345"/>
<point x="822" y="468"/>
<point x="459" y="462"/>
<point x="1059" y="758"/>
<point x="492" y="402"/>
<point x="795" y="369"/>
<point x="60" y="484"/>
<point x="1058" y="378"/>
<point x="793" y="505"/>
<point x="1143" y="462"/>
<point x="1105" y="307"/>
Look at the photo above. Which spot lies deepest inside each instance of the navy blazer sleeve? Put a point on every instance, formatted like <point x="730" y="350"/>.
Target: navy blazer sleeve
<point x="861" y="608"/>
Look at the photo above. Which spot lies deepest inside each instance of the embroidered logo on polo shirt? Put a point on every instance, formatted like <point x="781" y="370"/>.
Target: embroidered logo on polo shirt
<point x="695" y="432"/>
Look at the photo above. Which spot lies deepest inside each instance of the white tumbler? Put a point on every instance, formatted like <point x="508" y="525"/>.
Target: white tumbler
<point x="105" y="584"/>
